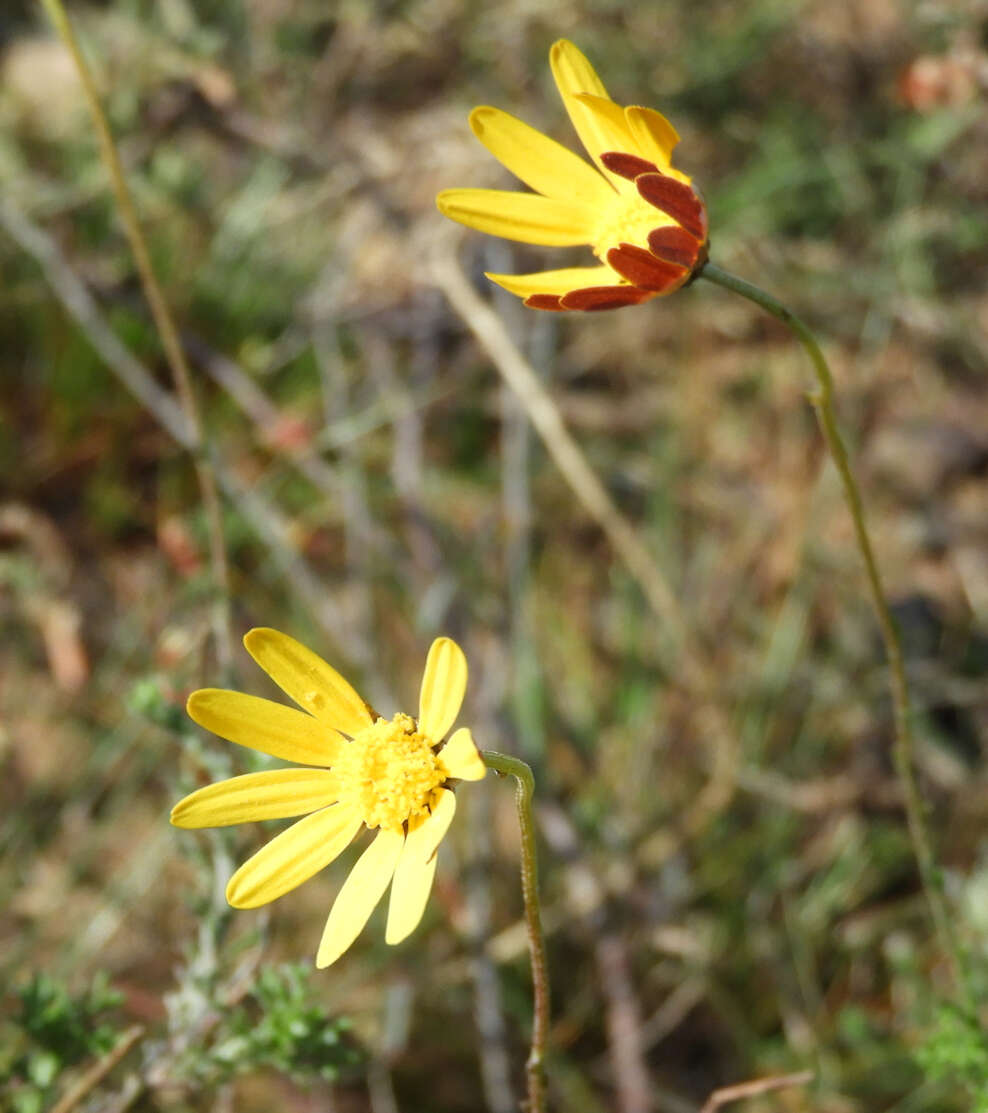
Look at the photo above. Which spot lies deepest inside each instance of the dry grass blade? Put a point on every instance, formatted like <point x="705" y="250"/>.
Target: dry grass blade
<point x="542" y="411"/>
<point x="167" y="332"/>
<point x="519" y="374"/>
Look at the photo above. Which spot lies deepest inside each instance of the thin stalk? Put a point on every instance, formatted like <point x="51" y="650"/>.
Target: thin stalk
<point x="904" y="747"/>
<point x="524" y="788"/>
<point x="167" y="331"/>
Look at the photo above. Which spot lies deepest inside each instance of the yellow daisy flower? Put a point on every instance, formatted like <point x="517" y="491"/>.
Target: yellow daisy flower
<point x="394" y="775"/>
<point x="641" y="216"/>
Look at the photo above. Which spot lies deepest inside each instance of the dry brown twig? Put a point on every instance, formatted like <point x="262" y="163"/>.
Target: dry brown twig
<point x="629" y="1066"/>
<point x="726" y="1094"/>
<point x="99" y="1070"/>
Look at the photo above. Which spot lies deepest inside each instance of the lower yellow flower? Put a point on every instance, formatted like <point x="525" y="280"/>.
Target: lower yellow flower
<point x="394" y="775"/>
<point x="644" y="221"/>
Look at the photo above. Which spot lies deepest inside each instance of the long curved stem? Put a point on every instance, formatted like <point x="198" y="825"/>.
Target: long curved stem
<point x="167" y="331"/>
<point x="525" y="786"/>
<point x="903" y="751"/>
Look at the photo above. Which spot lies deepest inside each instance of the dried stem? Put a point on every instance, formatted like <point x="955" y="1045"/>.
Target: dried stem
<point x="167" y="331"/>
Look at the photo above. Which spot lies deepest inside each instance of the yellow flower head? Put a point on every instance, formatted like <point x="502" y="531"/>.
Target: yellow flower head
<point x="644" y="221"/>
<point x="393" y="775"/>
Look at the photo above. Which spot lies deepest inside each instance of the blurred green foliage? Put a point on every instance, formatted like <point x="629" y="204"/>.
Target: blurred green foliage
<point x="957" y="1049"/>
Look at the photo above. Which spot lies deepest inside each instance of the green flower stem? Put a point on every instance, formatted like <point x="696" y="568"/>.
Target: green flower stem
<point x="903" y="751"/>
<point x="167" y="331"/>
<point x="525" y="786"/>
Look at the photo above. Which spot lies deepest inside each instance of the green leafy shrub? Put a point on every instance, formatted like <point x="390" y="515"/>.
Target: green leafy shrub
<point x="52" y="1030"/>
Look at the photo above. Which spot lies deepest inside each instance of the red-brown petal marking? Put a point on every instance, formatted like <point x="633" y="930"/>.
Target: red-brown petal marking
<point x="593" y="298"/>
<point x="674" y="245"/>
<point x="552" y="302"/>
<point x="627" y="166"/>
<point x="641" y="268"/>
<point x="675" y="200"/>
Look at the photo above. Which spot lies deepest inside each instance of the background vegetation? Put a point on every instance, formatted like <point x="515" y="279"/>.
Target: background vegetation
<point x="729" y="888"/>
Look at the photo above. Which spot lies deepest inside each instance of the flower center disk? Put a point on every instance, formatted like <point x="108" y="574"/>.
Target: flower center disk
<point x="628" y="219"/>
<point x="389" y="773"/>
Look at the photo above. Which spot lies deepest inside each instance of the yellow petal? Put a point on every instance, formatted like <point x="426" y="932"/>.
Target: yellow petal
<point x="307" y="678"/>
<point x="654" y="135"/>
<point x="556" y="282"/>
<point x="409" y="895"/>
<point x="266" y="726"/>
<point x="443" y="684"/>
<point x="359" y="896"/>
<point x="461" y="757"/>
<point x="416" y="869"/>
<point x="540" y="162"/>
<point x="273" y="794"/>
<point x="520" y="216"/>
<point x="574" y="75"/>
<point x="610" y="126"/>
<point x="432" y="830"/>
<point x="293" y="856"/>
<point x="572" y="70"/>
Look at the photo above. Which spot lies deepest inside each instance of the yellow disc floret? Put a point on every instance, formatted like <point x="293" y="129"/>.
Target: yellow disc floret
<point x="628" y="219"/>
<point x="389" y="773"/>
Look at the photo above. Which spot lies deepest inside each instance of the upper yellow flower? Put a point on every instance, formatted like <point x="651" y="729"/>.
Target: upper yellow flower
<point x="638" y="213"/>
<point x="391" y="774"/>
